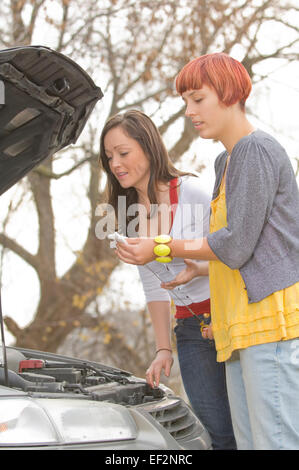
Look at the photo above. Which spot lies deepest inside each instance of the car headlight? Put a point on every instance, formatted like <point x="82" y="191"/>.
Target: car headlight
<point x="26" y="421"/>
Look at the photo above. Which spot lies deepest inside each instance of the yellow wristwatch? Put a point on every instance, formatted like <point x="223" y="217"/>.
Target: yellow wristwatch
<point x="162" y="250"/>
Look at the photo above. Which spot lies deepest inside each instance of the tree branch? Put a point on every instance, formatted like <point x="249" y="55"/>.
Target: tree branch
<point x="183" y="144"/>
<point x="48" y="173"/>
<point x="173" y="118"/>
<point x="12" y="245"/>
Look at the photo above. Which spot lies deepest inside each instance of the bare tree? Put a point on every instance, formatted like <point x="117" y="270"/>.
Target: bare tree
<point x="133" y="50"/>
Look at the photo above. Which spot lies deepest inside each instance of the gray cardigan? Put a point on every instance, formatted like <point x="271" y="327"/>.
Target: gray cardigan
<point x="262" y="199"/>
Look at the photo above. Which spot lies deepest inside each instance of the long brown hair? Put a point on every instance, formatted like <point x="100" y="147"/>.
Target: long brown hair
<point x="140" y="127"/>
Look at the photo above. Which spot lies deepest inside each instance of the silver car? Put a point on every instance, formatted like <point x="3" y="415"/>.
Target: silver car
<point x="52" y="401"/>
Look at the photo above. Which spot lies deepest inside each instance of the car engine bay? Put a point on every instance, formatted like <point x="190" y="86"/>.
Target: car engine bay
<point x="42" y="373"/>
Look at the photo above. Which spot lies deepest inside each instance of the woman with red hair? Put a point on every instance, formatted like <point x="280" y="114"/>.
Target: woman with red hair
<point x="253" y="250"/>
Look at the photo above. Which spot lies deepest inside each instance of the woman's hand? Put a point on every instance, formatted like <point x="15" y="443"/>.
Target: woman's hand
<point x="207" y="332"/>
<point x="163" y="360"/>
<point x="136" y="251"/>
<point x="192" y="270"/>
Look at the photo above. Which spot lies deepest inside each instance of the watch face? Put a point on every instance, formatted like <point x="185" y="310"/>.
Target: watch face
<point x="45" y="101"/>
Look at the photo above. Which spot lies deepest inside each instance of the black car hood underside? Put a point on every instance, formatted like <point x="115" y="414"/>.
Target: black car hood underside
<point x="45" y="101"/>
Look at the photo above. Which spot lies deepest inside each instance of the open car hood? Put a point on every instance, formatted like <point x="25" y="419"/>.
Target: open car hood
<point x="45" y="101"/>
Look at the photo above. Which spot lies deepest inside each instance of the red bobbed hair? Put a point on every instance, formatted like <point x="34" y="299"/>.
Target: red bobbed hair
<point x="219" y="71"/>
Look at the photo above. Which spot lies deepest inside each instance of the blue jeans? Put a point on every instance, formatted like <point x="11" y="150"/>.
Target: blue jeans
<point x="263" y="389"/>
<point x="204" y="382"/>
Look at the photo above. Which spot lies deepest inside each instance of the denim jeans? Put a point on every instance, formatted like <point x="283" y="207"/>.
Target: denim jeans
<point x="263" y="390"/>
<point x="204" y="382"/>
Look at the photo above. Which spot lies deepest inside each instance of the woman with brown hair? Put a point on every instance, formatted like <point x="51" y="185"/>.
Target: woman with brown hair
<point x="171" y="202"/>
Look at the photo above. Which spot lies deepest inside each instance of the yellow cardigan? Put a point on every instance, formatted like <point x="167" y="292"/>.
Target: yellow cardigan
<point x="236" y="323"/>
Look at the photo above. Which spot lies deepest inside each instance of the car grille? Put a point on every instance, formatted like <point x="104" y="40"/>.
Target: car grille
<point x="177" y="418"/>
